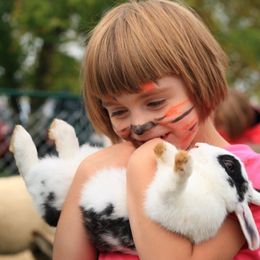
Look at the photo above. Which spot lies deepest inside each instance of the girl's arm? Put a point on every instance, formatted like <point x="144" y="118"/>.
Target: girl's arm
<point x="71" y="240"/>
<point x="155" y="242"/>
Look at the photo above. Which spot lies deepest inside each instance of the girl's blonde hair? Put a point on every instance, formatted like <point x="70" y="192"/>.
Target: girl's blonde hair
<point x="142" y="41"/>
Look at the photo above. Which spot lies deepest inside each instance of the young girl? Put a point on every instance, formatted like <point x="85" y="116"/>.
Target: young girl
<point x="152" y="71"/>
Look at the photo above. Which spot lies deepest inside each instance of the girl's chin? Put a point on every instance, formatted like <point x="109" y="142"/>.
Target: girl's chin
<point x="170" y="138"/>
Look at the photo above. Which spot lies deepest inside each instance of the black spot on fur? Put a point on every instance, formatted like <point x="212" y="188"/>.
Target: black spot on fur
<point x="43" y="182"/>
<point x="52" y="214"/>
<point x="233" y="168"/>
<point x="51" y="197"/>
<point x="108" y="211"/>
<point x="230" y="181"/>
<point x="102" y="225"/>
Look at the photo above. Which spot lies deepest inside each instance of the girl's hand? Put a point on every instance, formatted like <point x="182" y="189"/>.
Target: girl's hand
<point x="71" y="241"/>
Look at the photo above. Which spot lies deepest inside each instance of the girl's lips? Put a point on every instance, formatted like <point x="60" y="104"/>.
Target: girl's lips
<point x="138" y="143"/>
<point x="164" y="137"/>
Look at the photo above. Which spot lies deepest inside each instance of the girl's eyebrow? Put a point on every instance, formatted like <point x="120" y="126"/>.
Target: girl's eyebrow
<point x="106" y="104"/>
<point x="154" y="92"/>
<point x="143" y="94"/>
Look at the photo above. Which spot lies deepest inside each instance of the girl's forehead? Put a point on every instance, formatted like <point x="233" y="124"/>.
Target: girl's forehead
<point x="146" y="90"/>
<point x="148" y="87"/>
<point x="164" y="85"/>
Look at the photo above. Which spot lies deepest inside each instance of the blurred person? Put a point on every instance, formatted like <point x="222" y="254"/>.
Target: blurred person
<point x="238" y="120"/>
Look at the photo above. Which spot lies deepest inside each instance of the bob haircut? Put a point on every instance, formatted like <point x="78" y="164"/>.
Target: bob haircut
<point x="138" y="42"/>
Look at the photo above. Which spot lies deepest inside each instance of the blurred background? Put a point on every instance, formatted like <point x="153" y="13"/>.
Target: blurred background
<point x="41" y="48"/>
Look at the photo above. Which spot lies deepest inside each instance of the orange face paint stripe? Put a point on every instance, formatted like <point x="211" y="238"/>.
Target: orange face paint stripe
<point x="190" y="124"/>
<point x="174" y="109"/>
<point x="189" y="134"/>
<point x="149" y="86"/>
<point x="176" y="119"/>
<point x="185" y="138"/>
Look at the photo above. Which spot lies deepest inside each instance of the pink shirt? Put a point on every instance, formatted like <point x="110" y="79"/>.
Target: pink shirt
<point x="252" y="164"/>
<point x="251" y="161"/>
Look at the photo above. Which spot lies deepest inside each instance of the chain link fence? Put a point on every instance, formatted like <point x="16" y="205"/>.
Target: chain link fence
<point x="36" y="110"/>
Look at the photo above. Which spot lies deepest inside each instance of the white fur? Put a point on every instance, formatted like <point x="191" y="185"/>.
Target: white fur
<point x="107" y="186"/>
<point x="192" y="201"/>
<point x="178" y="204"/>
<point x="56" y="172"/>
<point x="196" y="202"/>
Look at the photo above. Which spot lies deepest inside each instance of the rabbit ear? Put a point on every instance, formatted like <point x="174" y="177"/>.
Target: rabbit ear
<point x="248" y="226"/>
<point x="255" y="197"/>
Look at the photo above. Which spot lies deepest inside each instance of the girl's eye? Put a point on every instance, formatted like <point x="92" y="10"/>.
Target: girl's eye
<point x="118" y="113"/>
<point x="156" y="103"/>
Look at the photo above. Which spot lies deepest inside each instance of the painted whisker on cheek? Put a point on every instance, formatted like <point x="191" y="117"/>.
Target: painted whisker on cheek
<point x="186" y="138"/>
<point x="167" y="120"/>
<point x="125" y="133"/>
<point x="122" y="132"/>
<point x="175" y="109"/>
<point x="189" y="126"/>
<point x="193" y="126"/>
<point x="186" y="113"/>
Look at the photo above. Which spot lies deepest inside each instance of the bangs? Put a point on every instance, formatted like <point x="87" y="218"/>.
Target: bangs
<point x="142" y="41"/>
<point x="123" y="56"/>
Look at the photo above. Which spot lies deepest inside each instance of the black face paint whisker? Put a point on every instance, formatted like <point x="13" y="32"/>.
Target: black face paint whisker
<point x="158" y="120"/>
<point x="177" y="119"/>
<point x="192" y="127"/>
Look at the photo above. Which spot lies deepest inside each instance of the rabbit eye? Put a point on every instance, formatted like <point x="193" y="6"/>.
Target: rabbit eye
<point x="229" y="165"/>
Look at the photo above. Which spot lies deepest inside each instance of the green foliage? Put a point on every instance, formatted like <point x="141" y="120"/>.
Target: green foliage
<point x="34" y="32"/>
<point x="235" y="24"/>
<point x="11" y="54"/>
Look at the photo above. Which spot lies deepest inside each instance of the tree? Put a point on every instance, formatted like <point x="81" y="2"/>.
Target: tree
<point x="236" y="23"/>
<point x="35" y="36"/>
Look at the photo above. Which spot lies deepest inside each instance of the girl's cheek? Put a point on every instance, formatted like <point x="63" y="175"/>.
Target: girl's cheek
<point x="185" y="128"/>
<point x="121" y="130"/>
<point x="184" y="131"/>
<point x="177" y="109"/>
<point x="188" y="137"/>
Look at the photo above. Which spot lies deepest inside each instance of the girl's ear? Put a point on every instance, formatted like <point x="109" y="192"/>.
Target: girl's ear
<point x="248" y="225"/>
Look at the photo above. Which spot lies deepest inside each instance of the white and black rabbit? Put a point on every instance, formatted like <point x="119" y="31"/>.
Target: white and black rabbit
<point x="186" y="184"/>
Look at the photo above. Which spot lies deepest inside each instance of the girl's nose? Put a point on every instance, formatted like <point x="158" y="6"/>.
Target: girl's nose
<point x="141" y="129"/>
<point x="141" y="122"/>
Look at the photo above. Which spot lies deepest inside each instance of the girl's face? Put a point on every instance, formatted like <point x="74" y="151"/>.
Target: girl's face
<point x="161" y="109"/>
